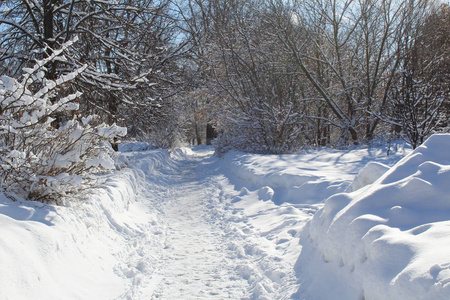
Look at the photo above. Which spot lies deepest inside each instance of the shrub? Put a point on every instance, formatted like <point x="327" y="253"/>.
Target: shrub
<point x="41" y="161"/>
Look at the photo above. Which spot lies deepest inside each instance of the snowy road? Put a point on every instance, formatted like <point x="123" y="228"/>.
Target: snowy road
<point x="216" y="242"/>
<point x="195" y="263"/>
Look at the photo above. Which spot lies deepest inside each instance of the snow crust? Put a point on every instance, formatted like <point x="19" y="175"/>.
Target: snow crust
<point x="386" y="240"/>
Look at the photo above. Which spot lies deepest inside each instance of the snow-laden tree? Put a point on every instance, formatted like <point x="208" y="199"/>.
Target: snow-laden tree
<point x="39" y="161"/>
<point x="129" y="49"/>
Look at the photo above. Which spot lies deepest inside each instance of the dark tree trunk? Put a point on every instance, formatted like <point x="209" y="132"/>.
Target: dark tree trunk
<point x="49" y="37"/>
<point x="210" y="134"/>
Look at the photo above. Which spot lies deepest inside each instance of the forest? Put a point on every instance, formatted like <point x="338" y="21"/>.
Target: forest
<point x="262" y="76"/>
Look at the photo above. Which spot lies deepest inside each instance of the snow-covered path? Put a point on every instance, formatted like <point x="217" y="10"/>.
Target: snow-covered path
<point x="195" y="262"/>
<point x="215" y="242"/>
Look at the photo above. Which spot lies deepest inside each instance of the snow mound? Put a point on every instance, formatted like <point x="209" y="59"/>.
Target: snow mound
<point x="389" y="240"/>
<point x="275" y="197"/>
<point x="135" y="146"/>
<point x="310" y="177"/>
<point x="99" y="248"/>
<point x="250" y="168"/>
<point x="371" y="172"/>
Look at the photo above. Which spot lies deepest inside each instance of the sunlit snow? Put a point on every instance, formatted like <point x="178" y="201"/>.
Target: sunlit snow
<point x="191" y="225"/>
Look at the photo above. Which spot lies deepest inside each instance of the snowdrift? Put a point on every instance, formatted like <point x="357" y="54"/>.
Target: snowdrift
<point x="81" y="251"/>
<point x="310" y="177"/>
<point x="385" y="240"/>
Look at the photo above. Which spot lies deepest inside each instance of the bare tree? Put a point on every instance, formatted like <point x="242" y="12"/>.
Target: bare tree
<point x="422" y="85"/>
<point x="348" y="51"/>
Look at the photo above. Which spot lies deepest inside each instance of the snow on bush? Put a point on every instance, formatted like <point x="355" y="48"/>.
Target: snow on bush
<point x="387" y="240"/>
<point x="40" y="161"/>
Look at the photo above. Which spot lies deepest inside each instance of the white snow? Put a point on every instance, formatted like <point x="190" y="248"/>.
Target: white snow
<point x="190" y="225"/>
<point x="77" y="252"/>
<point x="308" y="177"/>
<point x="387" y="240"/>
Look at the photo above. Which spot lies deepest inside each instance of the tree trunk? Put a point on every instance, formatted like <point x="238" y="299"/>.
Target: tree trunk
<point x="49" y="38"/>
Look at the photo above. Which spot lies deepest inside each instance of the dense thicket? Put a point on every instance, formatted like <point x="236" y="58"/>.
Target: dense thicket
<point x="284" y="74"/>
<point x="70" y="72"/>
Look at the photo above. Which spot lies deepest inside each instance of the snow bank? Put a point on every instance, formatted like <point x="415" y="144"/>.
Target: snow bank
<point x="264" y="236"/>
<point x="371" y="172"/>
<point x="85" y="251"/>
<point x="277" y="195"/>
<point x="309" y="177"/>
<point x="387" y="240"/>
<point x="135" y="146"/>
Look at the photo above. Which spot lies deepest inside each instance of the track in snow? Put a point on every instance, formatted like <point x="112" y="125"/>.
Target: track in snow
<point x="195" y="263"/>
<point x="214" y="242"/>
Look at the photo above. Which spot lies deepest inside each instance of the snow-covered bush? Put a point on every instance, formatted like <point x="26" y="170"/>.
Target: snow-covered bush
<point x="259" y="130"/>
<point x="41" y="161"/>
